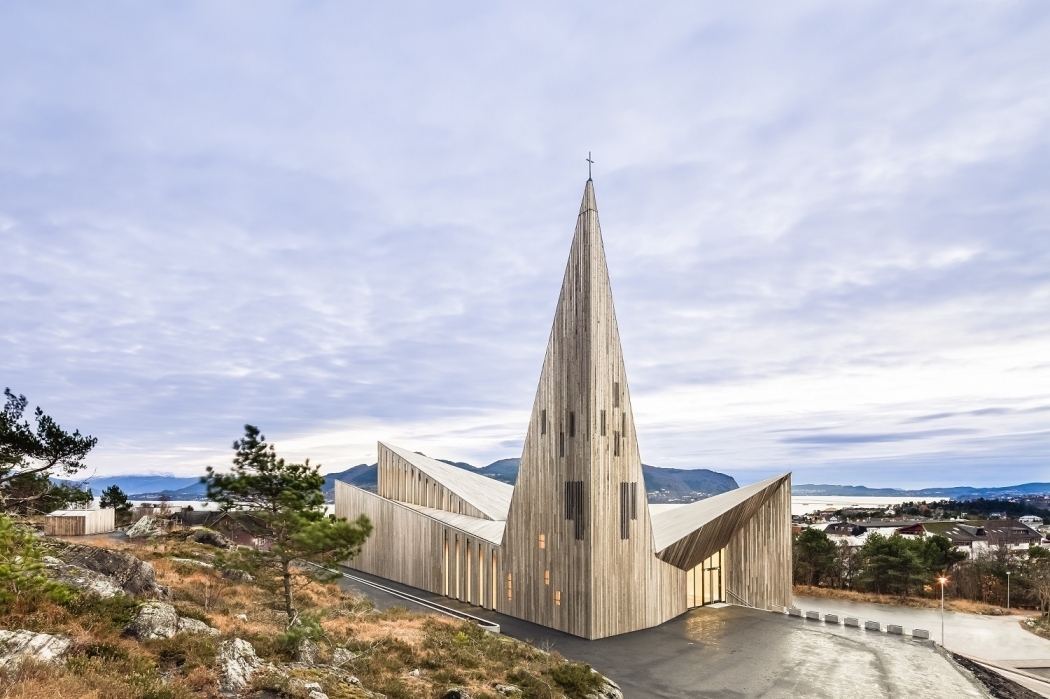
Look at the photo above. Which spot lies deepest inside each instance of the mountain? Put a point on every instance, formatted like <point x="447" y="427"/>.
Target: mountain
<point x="664" y="485"/>
<point x="954" y="493"/>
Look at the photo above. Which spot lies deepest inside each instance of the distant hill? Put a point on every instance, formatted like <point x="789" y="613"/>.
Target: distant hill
<point x="664" y="485"/>
<point x="953" y="493"/>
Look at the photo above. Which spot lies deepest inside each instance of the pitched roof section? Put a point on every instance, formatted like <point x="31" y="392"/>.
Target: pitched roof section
<point x="487" y="529"/>
<point x="686" y="535"/>
<point x="486" y="494"/>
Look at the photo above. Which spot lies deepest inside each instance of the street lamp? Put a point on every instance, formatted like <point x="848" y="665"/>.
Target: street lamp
<point x="942" y="580"/>
<point x="1007" y="590"/>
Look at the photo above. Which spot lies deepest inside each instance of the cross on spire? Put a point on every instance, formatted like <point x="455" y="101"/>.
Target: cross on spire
<point x="589" y="163"/>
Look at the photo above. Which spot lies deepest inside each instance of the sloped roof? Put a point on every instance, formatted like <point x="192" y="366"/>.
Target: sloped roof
<point x="686" y="535"/>
<point x="487" y="529"/>
<point x="486" y="494"/>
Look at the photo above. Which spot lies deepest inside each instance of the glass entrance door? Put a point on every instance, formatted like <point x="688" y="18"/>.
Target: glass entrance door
<point x="706" y="582"/>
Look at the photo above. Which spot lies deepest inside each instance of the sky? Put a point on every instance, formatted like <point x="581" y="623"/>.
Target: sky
<point x="827" y="226"/>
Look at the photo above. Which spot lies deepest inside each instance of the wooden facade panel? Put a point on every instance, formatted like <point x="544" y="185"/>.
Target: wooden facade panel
<point x="758" y="556"/>
<point x="399" y="480"/>
<point x="80" y="522"/>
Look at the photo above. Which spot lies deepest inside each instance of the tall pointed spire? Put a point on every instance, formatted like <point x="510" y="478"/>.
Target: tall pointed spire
<point x="582" y="462"/>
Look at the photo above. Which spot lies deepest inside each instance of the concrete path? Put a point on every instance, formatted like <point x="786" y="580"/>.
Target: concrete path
<point x="997" y="639"/>
<point x="734" y="652"/>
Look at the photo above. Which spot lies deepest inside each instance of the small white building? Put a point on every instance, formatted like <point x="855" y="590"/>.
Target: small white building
<point x="1030" y="520"/>
<point x="79" y="522"/>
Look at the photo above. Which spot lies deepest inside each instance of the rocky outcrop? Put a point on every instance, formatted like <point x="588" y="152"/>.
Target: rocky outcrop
<point x="307" y="652"/>
<point x="608" y="690"/>
<point x="81" y="578"/>
<point x="145" y="528"/>
<point x="192" y="562"/>
<point x="237" y="575"/>
<point x="160" y="620"/>
<point x="341" y="656"/>
<point x="210" y="537"/>
<point x="237" y="664"/>
<point x="455" y="693"/>
<point x="507" y="690"/>
<point x="18" y="646"/>
<point x="130" y="573"/>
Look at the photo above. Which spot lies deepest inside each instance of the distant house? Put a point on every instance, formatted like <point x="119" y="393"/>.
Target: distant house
<point x="1030" y="520"/>
<point x="241" y="528"/>
<point x="977" y="536"/>
<point x="79" y="522"/>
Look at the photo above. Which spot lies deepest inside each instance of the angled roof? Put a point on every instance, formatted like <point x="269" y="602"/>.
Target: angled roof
<point x="487" y="529"/>
<point x="686" y="535"/>
<point x="486" y="494"/>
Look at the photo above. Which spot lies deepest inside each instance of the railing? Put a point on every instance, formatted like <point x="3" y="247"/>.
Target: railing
<point x="746" y="603"/>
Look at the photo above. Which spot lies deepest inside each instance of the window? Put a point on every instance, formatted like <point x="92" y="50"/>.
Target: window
<point x="542" y="541"/>
<point x="546" y="577"/>
<point x="561" y="444"/>
<point x="572" y="424"/>
<point x="616" y="394"/>
<point x="543" y="422"/>
<point x="510" y="585"/>
<point x="623" y="426"/>
<point x="557" y="598"/>
<point x="634" y="500"/>
<point x="603" y="423"/>
<point x="625" y="510"/>
<point x="574" y="510"/>
<point x="616" y="443"/>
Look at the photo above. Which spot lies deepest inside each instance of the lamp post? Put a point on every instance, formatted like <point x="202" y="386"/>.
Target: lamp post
<point x="1007" y="590"/>
<point x="942" y="580"/>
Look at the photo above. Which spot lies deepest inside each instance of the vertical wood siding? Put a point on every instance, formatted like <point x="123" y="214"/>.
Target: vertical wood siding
<point x="758" y="556"/>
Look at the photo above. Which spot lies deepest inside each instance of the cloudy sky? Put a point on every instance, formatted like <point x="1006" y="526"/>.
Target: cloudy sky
<point x="827" y="225"/>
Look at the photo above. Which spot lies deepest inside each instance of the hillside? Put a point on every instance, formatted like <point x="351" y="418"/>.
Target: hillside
<point x="953" y="493"/>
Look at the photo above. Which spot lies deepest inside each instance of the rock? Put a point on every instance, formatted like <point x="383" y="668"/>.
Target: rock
<point x="133" y="575"/>
<point x="237" y="663"/>
<point x="507" y="690"/>
<point x="307" y="652"/>
<point x="455" y="693"/>
<point x="241" y="617"/>
<point x="414" y="673"/>
<point x="236" y="575"/>
<point x="192" y="562"/>
<point x="210" y="537"/>
<point x="154" y="620"/>
<point x="187" y="625"/>
<point x="81" y="578"/>
<point x="608" y="690"/>
<point x="145" y="528"/>
<point x="313" y="689"/>
<point x="341" y="656"/>
<point x="17" y="646"/>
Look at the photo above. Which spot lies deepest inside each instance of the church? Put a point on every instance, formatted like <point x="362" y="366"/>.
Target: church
<point x="574" y="544"/>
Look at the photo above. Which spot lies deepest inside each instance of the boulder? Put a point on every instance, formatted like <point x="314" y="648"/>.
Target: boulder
<point x="145" y="528"/>
<point x="307" y="652"/>
<point x="133" y="575"/>
<point x="312" y="689"/>
<point x="81" y="578"/>
<point x="236" y="575"/>
<point x="341" y="656"/>
<point x="507" y="690"/>
<point x="210" y="537"/>
<point x="188" y="625"/>
<point x="237" y="663"/>
<point x="455" y="693"/>
<point x="608" y="690"/>
<point x="17" y="646"/>
<point x="154" y="620"/>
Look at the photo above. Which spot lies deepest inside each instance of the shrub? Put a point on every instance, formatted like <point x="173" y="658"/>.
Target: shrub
<point x="21" y="570"/>
<point x="577" y="679"/>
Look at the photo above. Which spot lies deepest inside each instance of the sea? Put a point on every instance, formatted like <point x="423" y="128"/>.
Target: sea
<point x="804" y="504"/>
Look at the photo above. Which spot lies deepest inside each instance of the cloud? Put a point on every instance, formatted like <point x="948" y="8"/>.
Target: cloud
<point x="353" y="222"/>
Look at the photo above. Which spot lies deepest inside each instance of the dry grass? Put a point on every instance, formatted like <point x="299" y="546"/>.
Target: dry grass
<point x="1039" y="625"/>
<point x="955" y="605"/>
<point x="389" y="644"/>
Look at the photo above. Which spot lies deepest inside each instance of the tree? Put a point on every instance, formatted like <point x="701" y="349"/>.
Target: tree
<point x="114" y="497"/>
<point x="815" y="556"/>
<point x="21" y="569"/>
<point x="30" y="456"/>
<point x="288" y="500"/>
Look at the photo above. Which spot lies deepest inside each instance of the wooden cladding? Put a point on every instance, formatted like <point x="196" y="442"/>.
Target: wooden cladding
<point x="628" y="508"/>
<point x="574" y="509"/>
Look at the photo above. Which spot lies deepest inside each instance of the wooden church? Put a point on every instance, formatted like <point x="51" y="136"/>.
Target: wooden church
<point x="574" y="544"/>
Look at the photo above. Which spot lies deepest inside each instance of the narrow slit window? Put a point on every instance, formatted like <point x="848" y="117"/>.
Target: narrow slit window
<point x="510" y="585"/>
<point x="603" y="423"/>
<point x="616" y="443"/>
<point x="542" y="541"/>
<point x="543" y="422"/>
<point x="561" y="444"/>
<point x="546" y="577"/>
<point x="625" y="511"/>
<point x="623" y="425"/>
<point x="634" y="500"/>
<point x="557" y="598"/>
<point x="616" y="394"/>
<point x="572" y="424"/>
<point x="574" y="510"/>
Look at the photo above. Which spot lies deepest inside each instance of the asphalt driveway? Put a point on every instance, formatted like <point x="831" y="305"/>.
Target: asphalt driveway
<point x="735" y="652"/>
